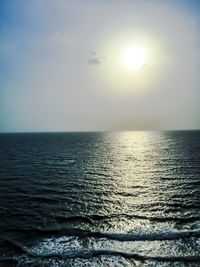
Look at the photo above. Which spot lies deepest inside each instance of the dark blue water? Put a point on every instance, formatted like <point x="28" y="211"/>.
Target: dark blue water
<point x="100" y="199"/>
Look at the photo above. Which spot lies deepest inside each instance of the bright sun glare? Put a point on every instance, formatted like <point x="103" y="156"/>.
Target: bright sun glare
<point x="134" y="57"/>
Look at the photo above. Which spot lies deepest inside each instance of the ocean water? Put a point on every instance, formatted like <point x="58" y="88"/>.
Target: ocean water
<point x="100" y="199"/>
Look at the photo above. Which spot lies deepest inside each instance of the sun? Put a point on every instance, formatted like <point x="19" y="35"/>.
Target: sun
<point x="133" y="58"/>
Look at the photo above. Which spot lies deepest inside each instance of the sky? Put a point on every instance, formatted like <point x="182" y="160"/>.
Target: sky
<point x="61" y="65"/>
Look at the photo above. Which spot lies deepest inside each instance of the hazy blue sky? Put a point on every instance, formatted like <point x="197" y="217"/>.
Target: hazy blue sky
<point x="60" y="72"/>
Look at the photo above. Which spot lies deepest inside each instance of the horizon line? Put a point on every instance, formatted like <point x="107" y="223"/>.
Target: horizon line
<point x="98" y="131"/>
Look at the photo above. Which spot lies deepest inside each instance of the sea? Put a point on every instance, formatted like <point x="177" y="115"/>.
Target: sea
<point x="100" y="199"/>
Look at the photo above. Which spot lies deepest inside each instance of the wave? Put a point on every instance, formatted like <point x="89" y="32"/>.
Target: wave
<point x="142" y="217"/>
<point x="154" y="236"/>
<point x="61" y="162"/>
<point x="91" y="218"/>
<point x="86" y="254"/>
<point x="151" y="236"/>
<point x="79" y="218"/>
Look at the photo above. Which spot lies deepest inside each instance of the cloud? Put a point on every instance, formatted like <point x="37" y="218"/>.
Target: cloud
<point x="94" y="61"/>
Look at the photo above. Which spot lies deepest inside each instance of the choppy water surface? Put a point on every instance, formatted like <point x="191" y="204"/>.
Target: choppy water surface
<point x="100" y="199"/>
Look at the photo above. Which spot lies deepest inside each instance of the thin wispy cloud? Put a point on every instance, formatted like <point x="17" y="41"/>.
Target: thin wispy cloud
<point x="94" y="61"/>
